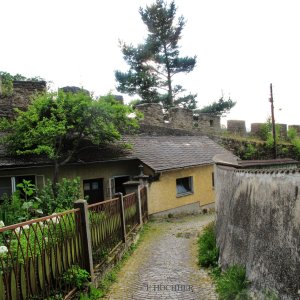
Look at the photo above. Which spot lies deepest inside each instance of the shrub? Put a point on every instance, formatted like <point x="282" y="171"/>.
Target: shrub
<point x="232" y="284"/>
<point x="208" y="251"/>
<point x="76" y="277"/>
<point x="68" y="190"/>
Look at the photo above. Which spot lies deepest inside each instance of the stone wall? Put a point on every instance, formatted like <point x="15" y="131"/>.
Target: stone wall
<point x="178" y="118"/>
<point x="255" y="128"/>
<point x="207" y="122"/>
<point x="21" y="96"/>
<point x="258" y="226"/>
<point x="153" y="114"/>
<point x="181" y="118"/>
<point x="236" y="127"/>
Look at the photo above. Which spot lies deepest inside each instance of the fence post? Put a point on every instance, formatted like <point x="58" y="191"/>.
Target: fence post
<point x="139" y="205"/>
<point x="122" y="214"/>
<point x="86" y="237"/>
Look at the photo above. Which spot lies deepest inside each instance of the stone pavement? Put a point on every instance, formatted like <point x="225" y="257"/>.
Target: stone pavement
<point x="164" y="266"/>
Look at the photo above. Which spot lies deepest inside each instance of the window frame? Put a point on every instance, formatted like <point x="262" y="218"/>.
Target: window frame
<point x="190" y="185"/>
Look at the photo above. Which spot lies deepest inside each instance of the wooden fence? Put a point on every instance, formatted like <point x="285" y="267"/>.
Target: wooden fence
<point x="34" y="255"/>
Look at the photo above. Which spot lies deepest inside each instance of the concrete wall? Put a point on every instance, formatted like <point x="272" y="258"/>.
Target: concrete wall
<point x="162" y="193"/>
<point x="258" y="226"/>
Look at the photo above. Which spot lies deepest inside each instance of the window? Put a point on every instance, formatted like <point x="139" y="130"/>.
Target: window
<point x="5" y="186"/>
<point x="116" y="185"/>
<point x="213" y="180"/>
<point x="211" y="123"/>
<point x="93" y="190"/>
<point x="184" y="186"/>
<point x="8" y="185"/>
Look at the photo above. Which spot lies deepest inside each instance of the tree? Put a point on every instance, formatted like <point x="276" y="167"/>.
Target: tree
<point x="153" y="64"/>
<point x="218" y="108"/>
<point x="55" y="125"/>
<point x="6" y="79"/>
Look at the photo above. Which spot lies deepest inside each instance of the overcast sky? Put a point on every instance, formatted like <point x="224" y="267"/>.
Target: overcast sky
<point x="241" y="47"/>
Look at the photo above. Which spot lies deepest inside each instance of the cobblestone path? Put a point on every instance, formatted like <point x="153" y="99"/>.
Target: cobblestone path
<point x="164" y="266"/>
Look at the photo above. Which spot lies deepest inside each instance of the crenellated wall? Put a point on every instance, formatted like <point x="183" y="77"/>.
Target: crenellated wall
<point x="258" y="226"/>
<point x="236" y="127"/>
<point x="178" y="118"/>
<point x="21" y="96"/>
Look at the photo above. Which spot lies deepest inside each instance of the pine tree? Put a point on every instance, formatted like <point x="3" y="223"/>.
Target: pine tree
<point x="154" y="63"/>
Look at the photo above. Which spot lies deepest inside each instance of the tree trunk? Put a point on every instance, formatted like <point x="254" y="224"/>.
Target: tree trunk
<point x="55" y="179"/>
<point x="170" y="92"/>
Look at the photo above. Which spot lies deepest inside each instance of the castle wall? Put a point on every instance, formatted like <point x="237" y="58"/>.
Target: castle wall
<point x="258" y="225"/>
<point x="236" y="127"/>
<point x="21" y="96"/>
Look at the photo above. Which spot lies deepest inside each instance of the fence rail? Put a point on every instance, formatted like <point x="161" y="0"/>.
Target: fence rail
<point x="131" y="211"/>
<point x="105" y="226"/>
<point x="34" y="255"/>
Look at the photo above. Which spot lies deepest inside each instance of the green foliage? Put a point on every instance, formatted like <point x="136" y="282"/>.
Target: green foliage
<point x="250" y="151"/>
<point x="60" y="125"/>
<point x="23" y="205"/>
<point x="76" y="277"/>
<point x="295" y="141"/>
<point x="232" y="284"/>
<point x="153" y="64"/>
<point x="219" y="108"/>
<point x="68" y="191"/>
<point x="292" y="134"/>
<point x="266" y="133"/>
<point x="208" y="251"/>
<point x="11" y="210"/>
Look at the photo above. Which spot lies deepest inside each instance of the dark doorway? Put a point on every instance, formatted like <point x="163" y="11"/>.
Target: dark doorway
<point x="119" y="188"/>
<point x="93" y="189"/>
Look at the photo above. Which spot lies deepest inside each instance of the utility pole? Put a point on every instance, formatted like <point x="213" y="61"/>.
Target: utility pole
<point x="273" y="122"/>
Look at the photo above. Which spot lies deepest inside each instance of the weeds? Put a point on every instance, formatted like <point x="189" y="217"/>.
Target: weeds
<point x="208" y="251"/>
<point x="231" y="284"/>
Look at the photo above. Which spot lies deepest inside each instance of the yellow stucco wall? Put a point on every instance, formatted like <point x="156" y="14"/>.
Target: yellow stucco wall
<point x="162" y="193"/>
<point x="84" y="171"/>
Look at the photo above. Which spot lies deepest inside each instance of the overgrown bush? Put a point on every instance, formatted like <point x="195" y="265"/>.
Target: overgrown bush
<point x="232" y="284"/>
<point x="295" y="141"/>
<point x="76" y="277"/>
<point x="208" y="250"/>
<point x="24" y="204"/>
<point x="68" y="190"/>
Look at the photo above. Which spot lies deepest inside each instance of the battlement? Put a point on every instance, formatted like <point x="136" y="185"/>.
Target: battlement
<point x="20" y="97"/>
<point x="178" y="118"/>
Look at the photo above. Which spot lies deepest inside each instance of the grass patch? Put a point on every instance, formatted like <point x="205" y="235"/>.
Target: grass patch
<point x="231" y="284"/>
<point x="111" y="276"/>
<point x="208" y="250"/>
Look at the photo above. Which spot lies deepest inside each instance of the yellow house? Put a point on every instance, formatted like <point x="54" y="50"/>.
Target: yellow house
<point x="180" y="170"/>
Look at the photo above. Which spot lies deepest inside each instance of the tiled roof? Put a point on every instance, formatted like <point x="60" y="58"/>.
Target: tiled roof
<point x="160" y="153"/>
<point x="163" y="153"/>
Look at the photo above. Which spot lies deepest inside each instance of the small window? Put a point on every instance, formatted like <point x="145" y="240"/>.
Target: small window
<point x="211" y="123"/>
<point x="5" y="187"/>
<point x="184" y="186"/>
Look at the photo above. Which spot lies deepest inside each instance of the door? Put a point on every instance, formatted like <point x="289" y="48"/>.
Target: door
<point x="93" y="189"/>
